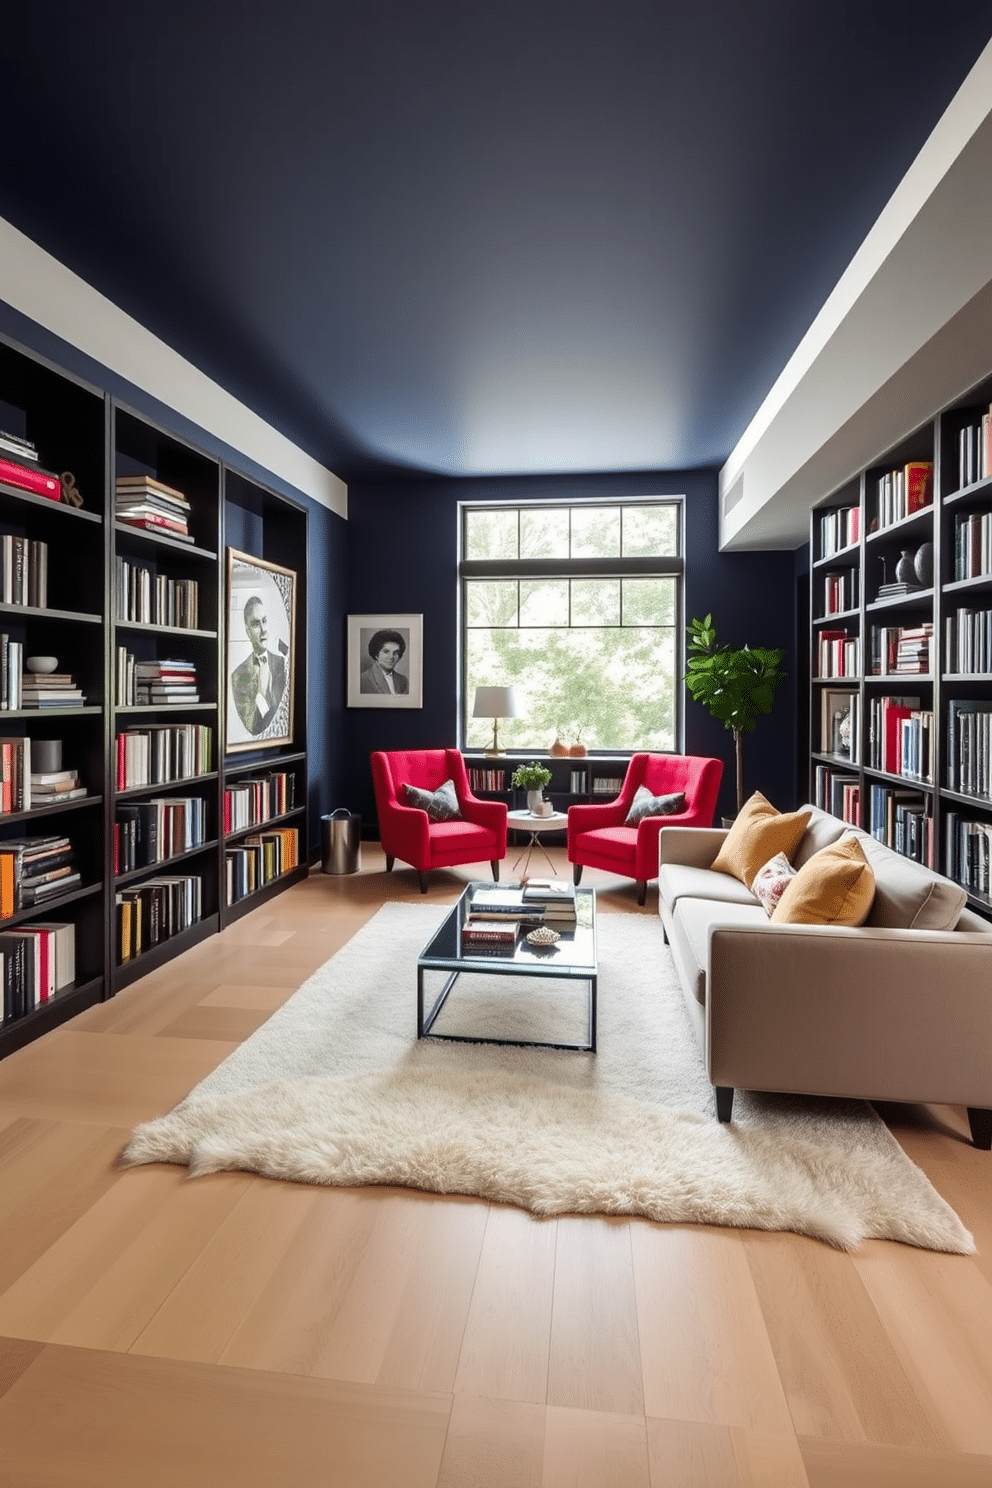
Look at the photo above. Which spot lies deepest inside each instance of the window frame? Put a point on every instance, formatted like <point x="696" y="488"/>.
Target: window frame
<point x="573" y="568"/>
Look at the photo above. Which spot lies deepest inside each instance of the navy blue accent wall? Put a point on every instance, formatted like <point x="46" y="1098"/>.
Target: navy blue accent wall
<point x="326" y="561"/>
<point x="402" y="558"/>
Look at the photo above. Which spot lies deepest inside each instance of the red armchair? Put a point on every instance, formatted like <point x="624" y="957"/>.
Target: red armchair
<point x="598" y="838"/>
<point x="407" y="833"/>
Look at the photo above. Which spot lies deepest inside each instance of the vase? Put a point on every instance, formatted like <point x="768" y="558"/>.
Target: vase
<point x="558" y="748"/>
<point x="923" y="563"/>
<point x="535" y="799"/>
<point x="906" y="568"/>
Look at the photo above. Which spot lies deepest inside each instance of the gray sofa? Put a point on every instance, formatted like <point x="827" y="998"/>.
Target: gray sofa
<point x="898" y="1009"/>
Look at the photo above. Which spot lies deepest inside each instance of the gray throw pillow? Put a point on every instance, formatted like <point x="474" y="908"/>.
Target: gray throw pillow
<point x="440" y="805"/>
<point x="645" y="804"/>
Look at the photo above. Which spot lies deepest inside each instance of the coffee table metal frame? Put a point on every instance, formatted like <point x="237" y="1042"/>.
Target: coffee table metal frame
<point x="573" y="957"/>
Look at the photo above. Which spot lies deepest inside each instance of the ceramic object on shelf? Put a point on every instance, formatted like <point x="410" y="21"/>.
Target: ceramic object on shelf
<point x="42" y="663"/>
<point x="923" y="563"/>
<point x="558" y="748"/>
<point x="906" y="567"/>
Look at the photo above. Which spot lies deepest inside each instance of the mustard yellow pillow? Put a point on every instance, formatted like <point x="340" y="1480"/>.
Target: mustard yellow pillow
<point x="836" y="887"/>
<point x="758" y="833"/>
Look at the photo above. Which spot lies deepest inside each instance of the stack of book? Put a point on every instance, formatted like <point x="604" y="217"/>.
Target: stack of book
<point x="554" y="899"/>
<point x="170" y="681"/>
<point x="33" y="869"/>
<point x="19" y="467"/>
<point x="50" y="690"/>
<point x="486" y="935"/>
<point x="52" y="787"/>
<point x="36" y="963"/>
<point x="502" y="905"/>
<point x="142" y="501"/>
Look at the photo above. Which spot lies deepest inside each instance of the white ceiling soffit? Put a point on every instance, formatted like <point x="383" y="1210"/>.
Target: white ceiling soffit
<point x="47" y="292"/>
<point x="907" y="329"/>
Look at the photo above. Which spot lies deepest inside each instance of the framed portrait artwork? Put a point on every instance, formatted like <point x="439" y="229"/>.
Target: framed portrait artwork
<point x="261" y="635"/>
<point x="385" y="661"/>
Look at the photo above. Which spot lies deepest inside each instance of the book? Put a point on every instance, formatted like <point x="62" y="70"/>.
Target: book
<point x="125" y="483"/>
<point x="489" y="932"/>
<point x="22" y="448"/>
<point x="160" y="526"/>
<point x="39" y="482"/>
<point x="919" y="485"/>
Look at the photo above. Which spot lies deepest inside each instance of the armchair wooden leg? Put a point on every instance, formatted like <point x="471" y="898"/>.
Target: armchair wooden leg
<point x="724" y="1101"/>
<point x="642" y="890"/>
<point x="981" y="1127"/>
<point x="576" y="873"/>
<point x="390" y="860"/>
<point x="494" y="865"/>
<point x="423" y="881"/>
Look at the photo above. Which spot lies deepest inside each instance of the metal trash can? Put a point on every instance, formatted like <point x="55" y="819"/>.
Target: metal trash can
<point x="341" y="842"/>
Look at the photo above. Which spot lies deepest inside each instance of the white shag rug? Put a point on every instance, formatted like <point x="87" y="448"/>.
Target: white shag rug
<point x="335" y="1088"/>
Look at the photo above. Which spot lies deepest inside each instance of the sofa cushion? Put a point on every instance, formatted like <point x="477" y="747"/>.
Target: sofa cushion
<point x="679" y="881"/>
<point x="821" y="830"/>
<point x="836" y="887"/>
<point x="758" y="833"/>
<point x="771" y="880"/>
<point x="440" y="805"/>
<point x="690" y="935"/>
<point x="909" y="896"/>
<point x="645" y="804"/>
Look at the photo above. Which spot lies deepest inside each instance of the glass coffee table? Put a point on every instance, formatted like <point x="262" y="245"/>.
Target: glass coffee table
<point x="573" y="956"/>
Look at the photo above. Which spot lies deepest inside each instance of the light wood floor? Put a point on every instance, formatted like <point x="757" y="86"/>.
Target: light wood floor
<point x="231" y="1330"/>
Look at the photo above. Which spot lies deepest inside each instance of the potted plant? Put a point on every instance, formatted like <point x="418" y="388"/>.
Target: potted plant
<point x="532" y="778"/>
<point x="737" y="686"/>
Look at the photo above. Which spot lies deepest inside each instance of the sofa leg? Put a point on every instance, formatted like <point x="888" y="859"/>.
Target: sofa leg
<point x="390" y="860"/>
<point x="724" y="1101"/>
<point x="494" y="865"/>
<point x="423" y="881"/>
<point x="981" y="1127"/>
<point x="576" y="873"/>
<point x="642" y="890"/>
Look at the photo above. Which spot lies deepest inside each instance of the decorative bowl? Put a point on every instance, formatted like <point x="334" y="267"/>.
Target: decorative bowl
<point x="543" y="937"/>
<point x="42" y="663"/>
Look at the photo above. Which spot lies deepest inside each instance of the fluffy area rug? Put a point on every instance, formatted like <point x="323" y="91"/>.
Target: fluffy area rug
<point x="335" y="1088"/>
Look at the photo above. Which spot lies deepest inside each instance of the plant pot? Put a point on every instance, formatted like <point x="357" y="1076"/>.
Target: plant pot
<point x="535" y="799"/>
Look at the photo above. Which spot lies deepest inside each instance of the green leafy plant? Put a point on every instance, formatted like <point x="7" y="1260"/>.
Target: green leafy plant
<point x="736" y="686"/>
<point x="532" y="776"/>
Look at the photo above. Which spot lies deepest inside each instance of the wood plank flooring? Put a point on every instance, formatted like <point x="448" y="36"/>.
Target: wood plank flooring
<point x="232" y="1330"/>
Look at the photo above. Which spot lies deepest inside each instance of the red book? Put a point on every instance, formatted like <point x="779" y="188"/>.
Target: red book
<point x="892" y="759"/>
<point x="919" y="484"/>
<point x="41" y="482"/>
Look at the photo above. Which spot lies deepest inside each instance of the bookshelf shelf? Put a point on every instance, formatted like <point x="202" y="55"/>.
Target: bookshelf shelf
<point x="931" y="718"/>
<point x="108" y="586"/>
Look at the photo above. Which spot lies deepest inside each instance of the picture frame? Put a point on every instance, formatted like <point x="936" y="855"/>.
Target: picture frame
<point x="392" y="675"/>
<point x="836" y="707"/>
<point x="260" y="648"/>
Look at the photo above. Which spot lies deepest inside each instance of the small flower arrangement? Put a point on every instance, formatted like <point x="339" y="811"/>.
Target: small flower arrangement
<point x="532" y="776"/>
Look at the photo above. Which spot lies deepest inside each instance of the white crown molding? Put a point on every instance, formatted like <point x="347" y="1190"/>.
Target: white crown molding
<point x="877" y="361"/>
<point x="40" y="287"/>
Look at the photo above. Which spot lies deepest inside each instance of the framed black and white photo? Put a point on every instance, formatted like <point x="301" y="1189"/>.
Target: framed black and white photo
<point x="838" y="723"/>
<point x="261" y="634"/>
<point x="385" y="661"/>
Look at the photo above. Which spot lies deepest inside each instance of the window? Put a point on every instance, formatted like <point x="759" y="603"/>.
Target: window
<point x="578" y="608"/>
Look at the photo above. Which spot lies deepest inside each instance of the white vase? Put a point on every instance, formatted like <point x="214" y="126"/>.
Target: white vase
<point x="534" y="802"/>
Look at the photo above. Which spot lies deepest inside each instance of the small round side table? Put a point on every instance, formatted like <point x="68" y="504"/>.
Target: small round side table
<point x="524" y="821"/>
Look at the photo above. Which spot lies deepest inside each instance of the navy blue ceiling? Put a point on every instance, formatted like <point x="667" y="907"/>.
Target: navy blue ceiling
<point x="474" y="236"/>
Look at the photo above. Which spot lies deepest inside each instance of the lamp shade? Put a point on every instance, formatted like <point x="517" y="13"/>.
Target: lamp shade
<point x="494" y="702"/>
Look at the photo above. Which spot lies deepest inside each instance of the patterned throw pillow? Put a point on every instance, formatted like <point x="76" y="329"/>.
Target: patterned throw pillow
<point x="645" y="804"/>
<point x="440" y="805"/>
<point x="771" y="881"/>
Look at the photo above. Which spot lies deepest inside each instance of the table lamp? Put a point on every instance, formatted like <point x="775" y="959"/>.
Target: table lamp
<point x="495" y="703"/>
